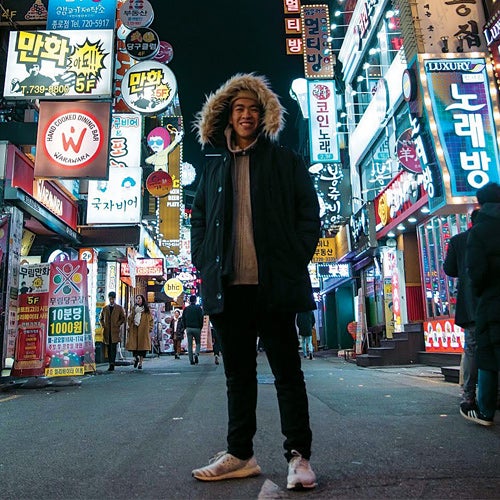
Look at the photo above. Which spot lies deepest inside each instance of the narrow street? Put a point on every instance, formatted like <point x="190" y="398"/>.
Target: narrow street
<point x="392" y="432"/>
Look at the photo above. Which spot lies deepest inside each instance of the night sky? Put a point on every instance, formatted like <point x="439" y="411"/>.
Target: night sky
<point x="212" y="40"/>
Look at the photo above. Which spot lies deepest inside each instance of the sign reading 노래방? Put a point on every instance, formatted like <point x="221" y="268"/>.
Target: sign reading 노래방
<point x="59" y="65"/>
<point x="461" y="103"/>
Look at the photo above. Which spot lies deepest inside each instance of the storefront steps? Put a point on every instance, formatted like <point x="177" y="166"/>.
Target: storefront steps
<point x="402" y="349"/>
<point x="449" y="362"/>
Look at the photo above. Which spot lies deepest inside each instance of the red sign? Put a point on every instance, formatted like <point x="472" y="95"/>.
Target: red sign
<point x="443" y="336"/>
<point x="21" y="172"/>
<point x="145" y="267"/>
<point x="159" y="183"/>
<point x="73" y="140"/>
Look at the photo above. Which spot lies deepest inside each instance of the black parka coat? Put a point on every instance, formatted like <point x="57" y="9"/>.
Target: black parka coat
<point x="286" y="226"/>
<point x="483" y="264"/>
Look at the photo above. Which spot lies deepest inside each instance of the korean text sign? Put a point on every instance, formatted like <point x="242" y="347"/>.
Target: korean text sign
<point x="59" y="65"/>
<point x="461" y="104"/>
<point x="323" y="121"/>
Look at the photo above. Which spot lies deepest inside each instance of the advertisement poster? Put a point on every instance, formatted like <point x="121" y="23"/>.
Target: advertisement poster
<point x="126" y="134"/>
<point x="70" y="347"/>
<point x="81" y="15"/>
<point x="32" y="321"/>
<point x="443" y="336"/>
<point x="60" y="65"/>
<point x="117" y="200"/>
<point x="459" y="91"/>
<point x="73" y="140"/>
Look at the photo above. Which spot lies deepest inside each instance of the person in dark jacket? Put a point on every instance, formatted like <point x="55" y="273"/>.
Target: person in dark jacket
<point x="305" y="323"/>
<point x="177" y="332"/>
<point x="192" y="321"/>
<point x="483" y="264"/>
<point x="254" y="228"/>
<point x="465" y="311"/>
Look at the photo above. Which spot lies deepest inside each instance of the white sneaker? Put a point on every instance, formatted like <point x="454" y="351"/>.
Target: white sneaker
<point x="300" y="474"/>
<point x="226" y="466"/>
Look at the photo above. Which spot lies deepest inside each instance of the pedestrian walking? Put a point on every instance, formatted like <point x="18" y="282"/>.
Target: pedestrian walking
<point x="177" y="332"/>
<point x="483" y="263"/>
<point x="192" y="318"/>
<point x="455" y="265"/>
<point x="305" y="323"/>
<point x="111" y="319"/>
<point x="254" y="229"/>
<point x="140" y="325"/>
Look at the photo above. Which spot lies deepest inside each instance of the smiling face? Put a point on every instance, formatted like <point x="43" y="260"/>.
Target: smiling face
<point x="245" y="120"/>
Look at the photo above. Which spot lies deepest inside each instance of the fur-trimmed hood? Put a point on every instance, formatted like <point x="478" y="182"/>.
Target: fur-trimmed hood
<point x="211" y="121"/>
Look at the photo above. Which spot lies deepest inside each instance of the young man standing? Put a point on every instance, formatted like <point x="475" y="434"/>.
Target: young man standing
<point x="255" y="226"/>
<point x="112" y="317"/>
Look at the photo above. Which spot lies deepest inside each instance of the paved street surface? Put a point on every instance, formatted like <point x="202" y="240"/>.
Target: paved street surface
<point x="392" y="432"/>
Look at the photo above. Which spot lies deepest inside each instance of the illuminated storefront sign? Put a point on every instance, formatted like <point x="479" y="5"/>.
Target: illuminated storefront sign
<point x="126" y="134"/>
<point x="323" y="122"/>
<point x="325" y="250"/>
<point x="401" y="197"/>
<point x="73" y="140"/>
<point x="145" y="267"/>
<point x="59" y="64"/>
<point x="117" y="200"/>
<point x="449" y="26"/>
<point x="148" y="87"/>
<point x="81" y="15"/>
<point x="318" y="60"/>
<point x="461" y="104"/>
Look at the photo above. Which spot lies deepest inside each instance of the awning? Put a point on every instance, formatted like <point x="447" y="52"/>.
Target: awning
<point x="110" y="236"/>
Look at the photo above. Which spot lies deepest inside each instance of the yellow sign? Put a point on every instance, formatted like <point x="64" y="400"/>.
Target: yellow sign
<point x="325" y="251"/>
<point x="173" y="288"/>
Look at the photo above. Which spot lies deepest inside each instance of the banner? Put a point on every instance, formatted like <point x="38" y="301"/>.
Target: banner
<point x="59" y="65"/>
<point x="54" y="336"/>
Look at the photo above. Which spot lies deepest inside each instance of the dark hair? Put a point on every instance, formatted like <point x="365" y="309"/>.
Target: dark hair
<point x="112" y="294"/>
<point x="473" y="215"/>
<point x="144" y="302"/>
<point x="192" y="299"/>
<point x="489" y="193"/>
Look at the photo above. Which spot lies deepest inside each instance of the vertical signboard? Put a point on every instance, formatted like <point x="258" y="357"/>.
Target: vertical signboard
<point x="462" y="109"/>
<point x="69" y="339"/>
<point x="323" y="136"/>
<point x="318" y="60"/>
<point x="126" y="136"/>
<point x="32" y="321"/>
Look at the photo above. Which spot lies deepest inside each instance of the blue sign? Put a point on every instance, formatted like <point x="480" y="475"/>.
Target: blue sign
<point x="461" y="103"/>
<point x="81" y="14"/>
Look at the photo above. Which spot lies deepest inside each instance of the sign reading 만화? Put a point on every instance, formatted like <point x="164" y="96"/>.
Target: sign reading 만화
<point x="148" y="87"/>
<point x="462" y="109"/>
<point x="323" y="135"/>
<point x="59" y="65"/>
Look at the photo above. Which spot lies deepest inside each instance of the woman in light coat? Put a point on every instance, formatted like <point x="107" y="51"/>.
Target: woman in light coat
<point x="140" y="325"/>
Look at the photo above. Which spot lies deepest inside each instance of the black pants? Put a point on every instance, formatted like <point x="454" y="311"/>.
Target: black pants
<point x="112" y="352"/>
<point x="238" y="326"/>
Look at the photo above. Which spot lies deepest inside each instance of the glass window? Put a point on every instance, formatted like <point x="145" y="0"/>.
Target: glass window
<point x="439" y="289"/>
